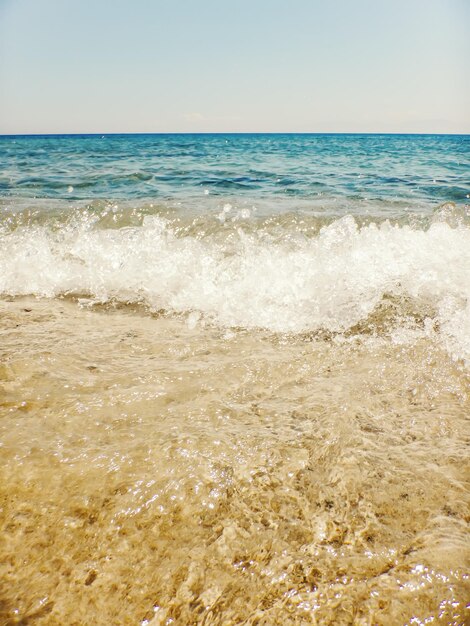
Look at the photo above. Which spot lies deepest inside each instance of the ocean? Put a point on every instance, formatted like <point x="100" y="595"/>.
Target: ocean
<point x="234" y="379"/>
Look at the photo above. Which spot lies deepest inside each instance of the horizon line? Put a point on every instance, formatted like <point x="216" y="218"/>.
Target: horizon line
<point x="145" y="133"/>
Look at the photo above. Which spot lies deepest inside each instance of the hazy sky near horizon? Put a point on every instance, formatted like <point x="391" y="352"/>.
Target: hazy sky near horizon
<point x="234" y="66"/>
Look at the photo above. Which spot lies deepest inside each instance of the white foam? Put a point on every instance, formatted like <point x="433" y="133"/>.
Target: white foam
<point x="332" y="281"/>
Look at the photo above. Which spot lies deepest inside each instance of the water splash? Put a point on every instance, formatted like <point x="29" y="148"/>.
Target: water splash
<point x="333" y="280"/>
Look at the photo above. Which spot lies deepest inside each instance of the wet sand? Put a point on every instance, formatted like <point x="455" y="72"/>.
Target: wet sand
<point x="155" y="470"/>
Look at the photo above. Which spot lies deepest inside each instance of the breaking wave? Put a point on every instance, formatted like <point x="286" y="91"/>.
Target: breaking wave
<point x="339" y="279"/>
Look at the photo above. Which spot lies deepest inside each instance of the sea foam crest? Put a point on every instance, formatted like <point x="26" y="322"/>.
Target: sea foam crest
<point x="331" y="281"/>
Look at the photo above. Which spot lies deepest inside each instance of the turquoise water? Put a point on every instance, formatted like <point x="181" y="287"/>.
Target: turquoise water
<point x="410" y="168"/>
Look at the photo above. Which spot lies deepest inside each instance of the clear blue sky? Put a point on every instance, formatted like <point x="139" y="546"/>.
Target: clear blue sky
<point x="238" y="65"/>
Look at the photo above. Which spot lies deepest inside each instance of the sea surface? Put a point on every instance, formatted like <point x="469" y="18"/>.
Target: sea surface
<point x="234" y="379"/>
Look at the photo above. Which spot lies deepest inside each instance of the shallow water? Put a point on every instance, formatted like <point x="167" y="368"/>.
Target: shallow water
<point x="243" y="406"/>
<point x="153" y="471"/>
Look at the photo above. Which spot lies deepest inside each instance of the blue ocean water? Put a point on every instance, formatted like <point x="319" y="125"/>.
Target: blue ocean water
<point x="428" y="169"/>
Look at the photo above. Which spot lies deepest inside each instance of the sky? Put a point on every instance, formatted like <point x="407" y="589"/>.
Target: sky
<point x="103" y="66"/>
